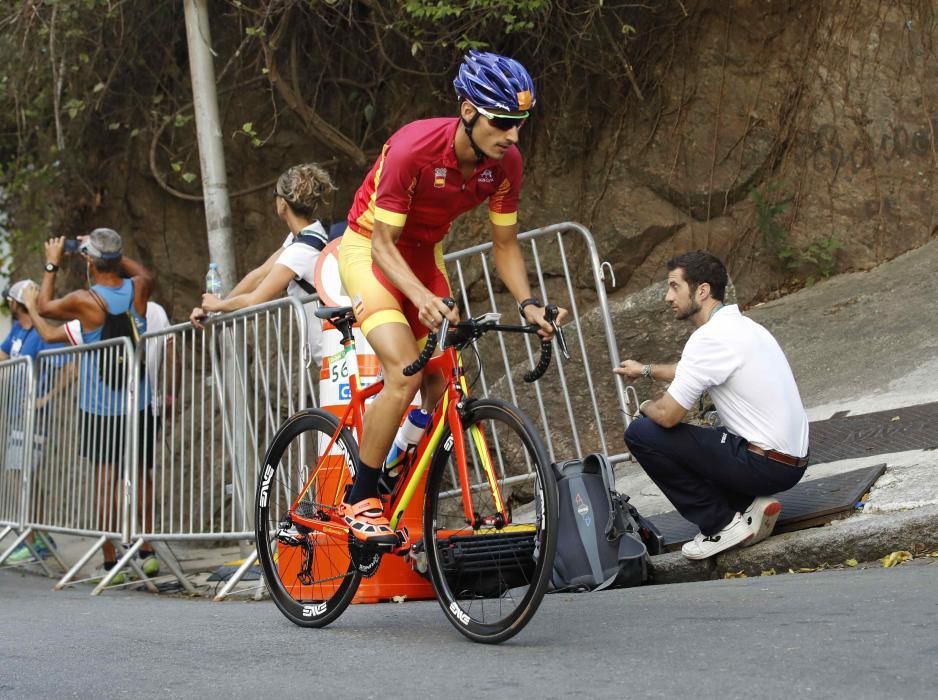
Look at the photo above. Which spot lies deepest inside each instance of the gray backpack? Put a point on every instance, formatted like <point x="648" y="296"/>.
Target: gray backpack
<point x="603" y="540"/>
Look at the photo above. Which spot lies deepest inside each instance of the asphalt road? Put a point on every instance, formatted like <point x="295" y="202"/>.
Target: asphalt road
<point x="841" y="634"/>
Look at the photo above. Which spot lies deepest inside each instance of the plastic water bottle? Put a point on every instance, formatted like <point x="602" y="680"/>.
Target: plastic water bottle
<point x="213" y="282"/>
<point x="408" y="435"/>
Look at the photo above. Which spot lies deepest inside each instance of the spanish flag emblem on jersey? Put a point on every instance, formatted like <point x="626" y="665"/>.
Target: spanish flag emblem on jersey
<point x="439" y="177"/>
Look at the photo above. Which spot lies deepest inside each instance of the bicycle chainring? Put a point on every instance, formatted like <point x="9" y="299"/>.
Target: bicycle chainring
<point x="365" y="557"/>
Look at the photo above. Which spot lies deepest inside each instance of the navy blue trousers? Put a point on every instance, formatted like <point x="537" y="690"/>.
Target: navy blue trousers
<point x="706" y="473"/>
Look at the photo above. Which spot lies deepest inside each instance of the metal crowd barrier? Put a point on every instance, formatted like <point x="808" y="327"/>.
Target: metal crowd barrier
<point x="232" y="385"/>
<point x="580" y="406"/>
<point x="226" y="389"/>
<point x="16" y="457"/>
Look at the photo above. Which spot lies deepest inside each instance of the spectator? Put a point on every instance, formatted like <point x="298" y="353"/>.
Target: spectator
<point x="159" y="351"/>
<point x="24" y="340"/>
<point x="120" y="285"/>
<point x="720" y="479"/>
<point x="300" y="192"/>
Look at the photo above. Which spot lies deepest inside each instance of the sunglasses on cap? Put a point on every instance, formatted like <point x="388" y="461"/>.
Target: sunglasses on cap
<point x="503" y="122"/>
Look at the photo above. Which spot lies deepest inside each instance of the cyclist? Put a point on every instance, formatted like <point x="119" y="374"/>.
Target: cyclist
<point x="391" y="258"/>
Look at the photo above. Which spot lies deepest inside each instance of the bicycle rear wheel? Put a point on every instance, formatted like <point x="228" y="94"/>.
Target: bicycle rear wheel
<point x="309" y="572"/>
<point x="490" y="577"/>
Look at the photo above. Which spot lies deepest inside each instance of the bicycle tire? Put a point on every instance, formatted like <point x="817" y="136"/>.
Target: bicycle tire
<point x="509" y="566"/>
<point x="334" y="578"/>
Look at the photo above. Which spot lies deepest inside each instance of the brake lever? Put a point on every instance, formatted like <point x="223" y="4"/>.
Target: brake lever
<point x="550" y="315"/>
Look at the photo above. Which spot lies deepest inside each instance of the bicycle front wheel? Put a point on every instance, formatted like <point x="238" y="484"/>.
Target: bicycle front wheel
<point x="308" y="570"/>
<point x="490" y="575"/>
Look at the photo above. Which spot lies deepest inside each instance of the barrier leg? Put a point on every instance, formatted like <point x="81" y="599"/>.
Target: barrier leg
<point x="65" y="581"/>
<point x="167" y="556"/>
<point x="122" y="563"/>
<point x="236" y="577"/>
<point x="6" y="531"/>
<point x="16" y="543"/>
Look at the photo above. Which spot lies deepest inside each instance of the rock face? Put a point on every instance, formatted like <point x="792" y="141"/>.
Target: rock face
<point x="828" y="110"/>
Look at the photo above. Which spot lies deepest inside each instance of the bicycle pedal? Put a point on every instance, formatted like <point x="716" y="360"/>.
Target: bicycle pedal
<point x="403" y="536"/>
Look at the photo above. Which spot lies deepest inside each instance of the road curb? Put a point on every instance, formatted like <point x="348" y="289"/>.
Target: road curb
<point x="862" y="537"/>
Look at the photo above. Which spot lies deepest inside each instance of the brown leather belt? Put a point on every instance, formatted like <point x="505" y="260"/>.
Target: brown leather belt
<point x="780" y="457"/>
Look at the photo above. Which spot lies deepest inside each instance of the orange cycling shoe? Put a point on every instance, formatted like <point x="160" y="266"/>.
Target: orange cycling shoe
<point x="366" y="521"/>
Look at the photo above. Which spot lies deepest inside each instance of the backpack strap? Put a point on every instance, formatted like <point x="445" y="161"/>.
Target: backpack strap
<point x="317" y="242"/>
<point x="612" y="497"/>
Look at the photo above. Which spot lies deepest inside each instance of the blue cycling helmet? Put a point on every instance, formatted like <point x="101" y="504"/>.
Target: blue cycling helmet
<point x="494" y="82"/>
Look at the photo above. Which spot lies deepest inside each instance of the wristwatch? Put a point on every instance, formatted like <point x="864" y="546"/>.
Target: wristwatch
<point x="646" y="371"/>
<point x="51" y="267"/>
<point x="530" y="301"/>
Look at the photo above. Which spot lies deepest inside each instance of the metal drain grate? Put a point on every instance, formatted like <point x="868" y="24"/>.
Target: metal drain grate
<point x="808" y="504"/>
<point x="848" y="437"/>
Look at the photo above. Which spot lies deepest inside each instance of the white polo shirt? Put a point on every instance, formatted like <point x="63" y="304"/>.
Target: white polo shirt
<point x="749" y="379"/>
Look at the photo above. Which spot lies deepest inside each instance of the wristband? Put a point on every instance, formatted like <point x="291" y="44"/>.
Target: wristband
<point x="643" y="405"/>
<point x="530" y="301"/>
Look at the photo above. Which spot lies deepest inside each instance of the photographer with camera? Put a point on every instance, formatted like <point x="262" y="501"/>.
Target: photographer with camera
<point x="120" y="286"/>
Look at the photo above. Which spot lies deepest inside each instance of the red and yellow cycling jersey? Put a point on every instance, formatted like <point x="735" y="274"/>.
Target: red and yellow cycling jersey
<point x="416" y="184"/>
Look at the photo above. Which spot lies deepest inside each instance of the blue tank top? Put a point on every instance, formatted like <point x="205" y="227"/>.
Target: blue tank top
<point x="96" y="396"/>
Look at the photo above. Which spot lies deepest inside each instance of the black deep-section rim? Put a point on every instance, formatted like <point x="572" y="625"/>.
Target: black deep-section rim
<point x="308" y="420"/>
<point x="507" y="627"/>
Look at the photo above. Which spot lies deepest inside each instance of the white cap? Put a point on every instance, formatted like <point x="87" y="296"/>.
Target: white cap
<point x="17" y="291"/>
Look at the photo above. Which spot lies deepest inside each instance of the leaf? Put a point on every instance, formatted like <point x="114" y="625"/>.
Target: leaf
<point x="768" y="572"/>
<point x="896" y="558"/>
<point x="188" y="177"/>
<point x="398" y="598"/>
<point x="98" y="88"/>
<point x="176" y="166"/>
<point x="135" y="132"/>
<point x="113" y="126"/>
<point x="851" y="562"/>
<point x="248" y="127"/>
<point x="735" y="574"/>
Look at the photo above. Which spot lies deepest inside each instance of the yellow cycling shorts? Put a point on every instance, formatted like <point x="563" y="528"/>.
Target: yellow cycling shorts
<point x="375" y="299"/>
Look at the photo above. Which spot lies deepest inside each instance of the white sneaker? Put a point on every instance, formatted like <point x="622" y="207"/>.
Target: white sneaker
<point x="703" y="546"/>
<point x="760" y="518"/>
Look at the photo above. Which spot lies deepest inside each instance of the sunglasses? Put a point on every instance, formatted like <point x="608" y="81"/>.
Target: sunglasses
<point x="504" y="122"/>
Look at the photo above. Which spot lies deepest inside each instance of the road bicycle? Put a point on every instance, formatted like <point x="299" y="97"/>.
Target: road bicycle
<point x="490" y="500"/>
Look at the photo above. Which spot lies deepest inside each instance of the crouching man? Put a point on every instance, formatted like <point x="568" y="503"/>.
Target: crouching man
<point x="720" y="479"/>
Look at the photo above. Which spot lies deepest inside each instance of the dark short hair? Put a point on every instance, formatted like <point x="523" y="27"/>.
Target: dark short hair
<point x="107" y="265"/>
<point x="700" y="266"/>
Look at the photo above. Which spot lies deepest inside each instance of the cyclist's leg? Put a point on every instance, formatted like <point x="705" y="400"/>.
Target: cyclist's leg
<point x="437" y="282"/>
<point x="378" y="309"/>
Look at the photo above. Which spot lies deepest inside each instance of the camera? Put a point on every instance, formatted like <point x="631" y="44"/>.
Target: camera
<point x="72" y="245"/>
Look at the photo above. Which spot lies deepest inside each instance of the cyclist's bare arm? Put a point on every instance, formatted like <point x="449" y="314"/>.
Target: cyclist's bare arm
<point x="509" y="262"/>
<point x="386" y="256"/>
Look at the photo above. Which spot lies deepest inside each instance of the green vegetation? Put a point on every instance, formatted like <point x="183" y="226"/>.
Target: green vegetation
<point x="815" y="261"/>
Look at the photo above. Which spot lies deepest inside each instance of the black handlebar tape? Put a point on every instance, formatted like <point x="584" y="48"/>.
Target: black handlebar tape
<point x="418" y="364"/>
<point x="428" y="349"/>
<point x="542" y="363"/>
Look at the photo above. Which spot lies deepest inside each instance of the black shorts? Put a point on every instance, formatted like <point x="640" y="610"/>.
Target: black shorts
<point x="103" y="437"/>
